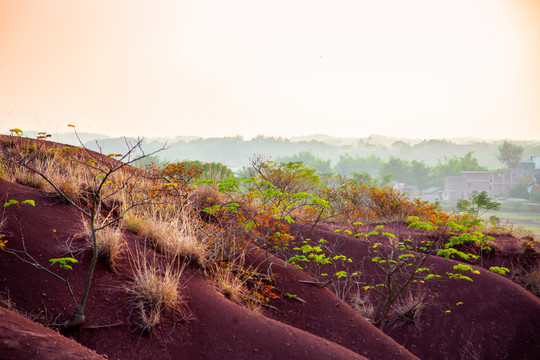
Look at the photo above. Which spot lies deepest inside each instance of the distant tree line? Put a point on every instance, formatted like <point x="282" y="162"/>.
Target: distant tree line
<point x="394" y="169"/>
<point x="372" y="160"/>
<point x="374" y="170"/>
<point x="235" y="152"/>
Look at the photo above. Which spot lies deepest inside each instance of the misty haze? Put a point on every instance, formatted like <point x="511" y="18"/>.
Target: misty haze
<point x="270" y="179"/>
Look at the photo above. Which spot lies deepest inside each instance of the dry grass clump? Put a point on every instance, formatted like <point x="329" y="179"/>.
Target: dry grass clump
<point x="242" y="285"/>
<point x="530" y="280"/>
<point x="2" y="221"/>
<point x="5" y="171"/>
<point x="228" y="283"/>
<point x="363" y="306"/>
<point x="76" y="172"/>
<point x="172" y="236"/>
<point x="253" y="306"/>
<point x="2" y="235"/>
<point x="408" y="308"/>
<point x="223" y="244"/>
<point x="25" y="177"/>
<point x="110" y="243"/>
<point x="133" y="222"/>
<point x="7" y="302"/>
<point x="204" y="196"/>
<point x="226" y="257"/>
<point x="67" y="176"/>
<point x="85" y="177"/>
<point x="130" y="185"/>
<point x="154" y="291"/>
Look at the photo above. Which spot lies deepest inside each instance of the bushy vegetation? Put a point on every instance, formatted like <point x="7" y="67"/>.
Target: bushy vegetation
<point x="201" y="215"/>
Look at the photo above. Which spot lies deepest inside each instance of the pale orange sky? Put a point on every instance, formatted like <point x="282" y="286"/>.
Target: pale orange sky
<point x="416" y="68"/>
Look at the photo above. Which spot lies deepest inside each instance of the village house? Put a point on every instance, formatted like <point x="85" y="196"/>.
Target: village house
<point x="462" y="186"/>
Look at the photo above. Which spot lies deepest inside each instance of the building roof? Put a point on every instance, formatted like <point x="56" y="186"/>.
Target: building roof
<point x="431" y="190"/>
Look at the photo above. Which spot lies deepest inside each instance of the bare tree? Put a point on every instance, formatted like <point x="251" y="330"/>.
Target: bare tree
<point x="110" y="184"/>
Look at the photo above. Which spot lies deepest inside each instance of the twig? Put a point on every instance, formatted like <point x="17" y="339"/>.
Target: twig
<point x="94" y="327"/>
<point x="270" y="307"/>
<point x="317" y="283"/>
<point x="299" y="299"/>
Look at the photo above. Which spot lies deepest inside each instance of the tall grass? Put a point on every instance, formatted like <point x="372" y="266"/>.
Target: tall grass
<point x="110" y="243"/>
<point x="154" y="290"/>
<point x="169" y="234"/>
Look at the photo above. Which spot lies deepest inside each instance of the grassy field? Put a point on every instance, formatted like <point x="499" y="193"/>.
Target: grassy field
<point x="524" y="217"/>
<point x="522" y="220"/>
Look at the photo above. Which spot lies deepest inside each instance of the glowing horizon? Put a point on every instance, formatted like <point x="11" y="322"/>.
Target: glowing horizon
<point x="420" y="69"/>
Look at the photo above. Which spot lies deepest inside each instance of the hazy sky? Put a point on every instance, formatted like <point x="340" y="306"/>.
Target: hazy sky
<point x="405" y="68"/>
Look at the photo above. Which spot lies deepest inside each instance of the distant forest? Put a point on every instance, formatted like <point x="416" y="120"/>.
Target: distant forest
<point x="423" y="163"/>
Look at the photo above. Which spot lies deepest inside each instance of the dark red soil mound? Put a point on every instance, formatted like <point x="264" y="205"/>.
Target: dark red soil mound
<point x="217" y="329"/>
<point x="496" y="318"/>
<point x="320" y="312"/>
<point x="21" y="338"/>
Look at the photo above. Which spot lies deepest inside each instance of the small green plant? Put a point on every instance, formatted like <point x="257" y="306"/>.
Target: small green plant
<point x="463" y="241"/>
<point x="400" y="269"/>
<point x="451" y="253"/>
<point x="414" y="221"/>
<point x="479" y="203"/>
<point x="64" y="263"/>
<point x="311" y="252"/>
<point x="15" y="202"/>
<point x="499" y="270"/>
<point x="329" y="269"/>
<point x="462" y="267"/>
